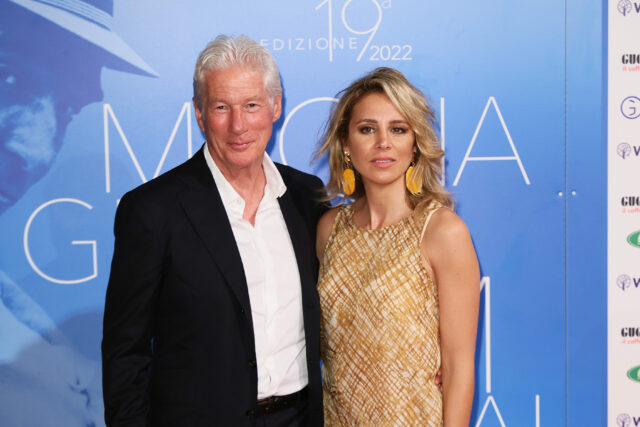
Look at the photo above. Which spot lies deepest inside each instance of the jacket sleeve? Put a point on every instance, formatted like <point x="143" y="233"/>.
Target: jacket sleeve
<point x="136" y="273"/>
<point x="319" y="206"/>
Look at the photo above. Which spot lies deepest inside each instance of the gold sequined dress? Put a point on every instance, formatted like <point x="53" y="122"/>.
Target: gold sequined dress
<point x="380" y="338"/>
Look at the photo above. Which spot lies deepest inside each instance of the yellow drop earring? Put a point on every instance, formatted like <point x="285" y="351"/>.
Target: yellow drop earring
<point x="412" y="180"/>
<point x="348" y="176"/>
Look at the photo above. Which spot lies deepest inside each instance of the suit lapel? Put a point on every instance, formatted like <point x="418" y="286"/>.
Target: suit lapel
<point x="203" y="206"/>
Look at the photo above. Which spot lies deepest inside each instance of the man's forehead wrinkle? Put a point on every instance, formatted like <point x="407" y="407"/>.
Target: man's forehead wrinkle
<point x="235" y="93"/>
<point x="237" y="100"/>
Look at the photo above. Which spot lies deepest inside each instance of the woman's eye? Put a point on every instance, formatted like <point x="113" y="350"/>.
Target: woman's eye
<point x="399" y="130"/>
<point x="366" y="129"/>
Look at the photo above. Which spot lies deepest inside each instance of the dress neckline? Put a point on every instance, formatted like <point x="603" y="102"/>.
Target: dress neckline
<point x="351" y="213"/>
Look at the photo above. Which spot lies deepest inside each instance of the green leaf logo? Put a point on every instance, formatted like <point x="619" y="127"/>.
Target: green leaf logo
<point x="634" y="239"/>
<point x="634" y="373"/>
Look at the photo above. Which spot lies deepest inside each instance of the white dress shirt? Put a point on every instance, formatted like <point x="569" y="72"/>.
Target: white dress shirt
<point x="273" y="279"/>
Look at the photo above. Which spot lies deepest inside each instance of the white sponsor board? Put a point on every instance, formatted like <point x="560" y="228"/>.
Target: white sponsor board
<point x="623" y="213"/>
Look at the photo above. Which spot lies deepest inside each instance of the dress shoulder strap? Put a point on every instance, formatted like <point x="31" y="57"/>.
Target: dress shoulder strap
<point x="429" y="210"/>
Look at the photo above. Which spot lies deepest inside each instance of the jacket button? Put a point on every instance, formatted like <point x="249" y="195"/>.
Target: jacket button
<point x="252" y="363"/>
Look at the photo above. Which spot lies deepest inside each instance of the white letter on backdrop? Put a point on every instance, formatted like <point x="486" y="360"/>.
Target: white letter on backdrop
<point x="515" y="156"/>
<point x="108" y="112"/>
<point x="93" y="244"/>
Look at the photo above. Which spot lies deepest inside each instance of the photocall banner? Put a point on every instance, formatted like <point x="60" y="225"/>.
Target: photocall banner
<point x="624" y="214"/>
<point x="95" y="99"/>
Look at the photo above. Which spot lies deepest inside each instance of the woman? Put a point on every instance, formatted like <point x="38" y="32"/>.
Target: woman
<point x="399" y="278"/>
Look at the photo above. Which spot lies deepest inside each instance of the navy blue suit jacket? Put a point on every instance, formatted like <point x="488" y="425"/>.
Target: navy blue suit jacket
<point x="178" y="344"/>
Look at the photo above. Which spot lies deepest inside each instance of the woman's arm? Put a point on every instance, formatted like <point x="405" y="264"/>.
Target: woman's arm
<point x="448" y="250"/>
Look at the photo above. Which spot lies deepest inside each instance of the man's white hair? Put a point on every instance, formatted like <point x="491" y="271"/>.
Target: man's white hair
<point x="226" y="51"/>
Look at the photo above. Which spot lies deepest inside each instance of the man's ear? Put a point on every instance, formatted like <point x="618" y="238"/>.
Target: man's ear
<point x="277" y="107"/>
<point x="199" y="118"/>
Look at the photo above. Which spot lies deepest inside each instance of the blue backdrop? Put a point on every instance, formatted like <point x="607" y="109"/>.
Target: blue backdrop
<point x="95" y="99"/>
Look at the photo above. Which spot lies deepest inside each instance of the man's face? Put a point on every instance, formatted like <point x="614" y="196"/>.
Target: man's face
<point x="237" y="117"/>
<point x="38" y="98"/>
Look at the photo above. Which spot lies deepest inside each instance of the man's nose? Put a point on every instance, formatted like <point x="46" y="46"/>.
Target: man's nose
<point x="238" y="121"/>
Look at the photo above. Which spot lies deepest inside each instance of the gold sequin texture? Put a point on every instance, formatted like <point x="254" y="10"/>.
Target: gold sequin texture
<point x="380" y="338"/>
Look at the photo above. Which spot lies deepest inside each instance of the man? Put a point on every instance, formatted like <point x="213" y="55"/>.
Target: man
<point x="51" y="56"/>
<point x="211" y="314"/>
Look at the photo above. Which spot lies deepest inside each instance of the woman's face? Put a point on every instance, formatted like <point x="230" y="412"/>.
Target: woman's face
<point x="380" y="143"/>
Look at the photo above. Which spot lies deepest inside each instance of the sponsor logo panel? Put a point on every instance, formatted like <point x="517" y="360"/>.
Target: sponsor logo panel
<point x="630" y="62"/>
<point x="634" y="239"/>
<point x="630" y="335"/>
<point x="630" y="205"/>
<point x="626" y="282"/>
<point x="623" y="212"/>
<point x="634" y="374"/>
<point x="628" y="420"/>
<point x="628" y="7"/>
<point x="626" y="150"/>
<point x="630" y="107"/>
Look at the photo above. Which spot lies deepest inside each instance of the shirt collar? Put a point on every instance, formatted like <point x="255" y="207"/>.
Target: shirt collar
<point x="231" y="200"/>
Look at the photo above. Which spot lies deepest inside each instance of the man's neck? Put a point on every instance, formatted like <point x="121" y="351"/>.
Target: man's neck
<point x="250" y="184"/>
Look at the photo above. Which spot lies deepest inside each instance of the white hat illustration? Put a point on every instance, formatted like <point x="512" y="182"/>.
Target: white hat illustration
<point x="92" y="21"/>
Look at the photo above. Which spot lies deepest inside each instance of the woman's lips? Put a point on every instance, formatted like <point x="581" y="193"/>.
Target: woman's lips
<point x="383" y="162"/>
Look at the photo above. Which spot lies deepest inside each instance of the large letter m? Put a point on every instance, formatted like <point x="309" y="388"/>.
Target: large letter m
<point x="108" y="113"/>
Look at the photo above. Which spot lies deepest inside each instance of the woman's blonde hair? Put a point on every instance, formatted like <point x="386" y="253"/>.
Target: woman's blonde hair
<point x="413" y="106"/>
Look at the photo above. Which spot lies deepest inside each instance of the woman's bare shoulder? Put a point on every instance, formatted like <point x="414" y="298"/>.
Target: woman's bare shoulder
<point x="445" y="225"/>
